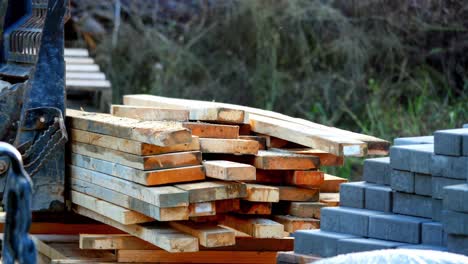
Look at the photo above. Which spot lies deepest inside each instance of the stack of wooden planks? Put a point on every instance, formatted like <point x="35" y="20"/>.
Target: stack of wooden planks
<point x="186" y="176"/>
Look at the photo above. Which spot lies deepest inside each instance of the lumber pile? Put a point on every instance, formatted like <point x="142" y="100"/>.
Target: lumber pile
<point x="414" y="199"/>
<point x="209" y="179"/>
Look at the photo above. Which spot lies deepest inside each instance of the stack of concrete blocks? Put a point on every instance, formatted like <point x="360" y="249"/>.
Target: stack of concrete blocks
<point x="450" y="168"/>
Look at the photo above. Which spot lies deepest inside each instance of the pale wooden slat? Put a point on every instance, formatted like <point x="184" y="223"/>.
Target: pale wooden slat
<point x="228" y="170"/>
<point x="150" y="113"/>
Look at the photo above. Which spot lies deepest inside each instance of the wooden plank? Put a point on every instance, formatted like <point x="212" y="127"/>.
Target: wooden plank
<point x="261" y="193"/>
<point x="130" y="146"/>
<point x="294" y="258"/>
<point x="270" y="160"/>
<point x="309" y="178"/>
<point x="165" y="196"/>
<point x="85" y="76"/>
<point x="262" y="140"/>
<point x="158" y="213"/>
<point x="152" y="162"/>
<point x="78" y="60"/>
<point x="326" y="159"/>
<point x="197" y="257"/>
<point x="145" y="113"/>
<point x="330" y="199"/>
<point x="297" y="194"/>
<point x="151" y="132"/>
<point x="202" y="209"/>
<point x="147" y="178"/>
<point x="82" y="68"/>
<point x="209" y="235"/>
<point x="228" y="170"/>
<point x="229" y="146"/>
<point x="271" y="176"/>
<point x="332" y="183"/>
<point x="156" y="234"/>
<point x="206" y="130"/>
<point x="293" y="223"/>
<point x="254" y="208"/>
<point x="75" y="52"/>
<point x="67" y="229"/>
<point x="213" y="190"/>
<point x="305" y="209"/>
<point x="244" y="130"/>
<point x="197" y="111"/>
<point x="229" y="205"/>
<point x="256" y="227"/>
<point x="112" y="211"/>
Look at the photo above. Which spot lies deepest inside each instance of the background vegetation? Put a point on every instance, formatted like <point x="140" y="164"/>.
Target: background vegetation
<point x="388" y="68"/>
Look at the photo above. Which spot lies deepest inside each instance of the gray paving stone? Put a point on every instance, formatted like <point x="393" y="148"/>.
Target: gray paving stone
<point x="377" y="170"/>
<point x="352" y="194"/>
<point x="346" y="220"/>
<point x="450" y="142"/>
<point x="432" y="233"/>
<point x="412" y="204"/>
<point x="437" y="209"/>
<point x="378" y="198"/>
<point x="317" y="242"/>
<point x="350" y="245"/>
<point x="394" y="227"/>
<point x="415" y="158"/>
<point x="424" y="247"/>
<point x="402" y="181"/>
<point x="455" y="197"/>
<point x="423" y="184"/>
<point x="449" y="167"/>
<point x="457" y="244"/>
<point x="438" y="184"/>
<point x="413" y="140"/>
<point x="455" y="222"/>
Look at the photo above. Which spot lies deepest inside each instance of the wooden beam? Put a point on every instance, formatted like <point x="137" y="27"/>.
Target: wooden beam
<point x="254" y="208"/>
<point x="145" y="113"/>
<point x="130" y="146"/>
<point x="276" y="177"/>
<point x="209" y="235"/>
<point x="166" y="196"/>
<point x="228" y="170"/>
<point x="229" y="205"/>
<point x="112" y="211"/>
<point x="309" y="178"/>
<point x="207" y="130"/>
<point x="153" y="162"/>
<point x="229" y="146"/>
<point x="256" y="227"/>
<point x="156" y="234"/>
<point x="151" y="132"/>
<point x="261" y="193"/>
<point x="296" y="194"/>
<point x="202" y="209"/>
<point x="326" y="159"/>
<point x="213" y="190"/>
<point x="270" y="160"/>
<point x="305" y="209"/>
<point x="294" y="223"/>
<point x="331" y="183"/>
<point x="147" y="178"/>
<point x="158" y="213"/>
<point x="67" y="229"/>
<point x="330" y="199"/>
<point x="262" y="141"/>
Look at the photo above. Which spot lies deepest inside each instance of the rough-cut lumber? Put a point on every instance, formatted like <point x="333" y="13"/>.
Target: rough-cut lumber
<point x="202" y="209"/>
<point x="330" y="199"/>
<point x="296" y="194"/>
<point x="254" y="208"/>
<point x="158" y="213"/>
<point x="229" y="205"/>
<point x="70" y="52"/>
<point x="229" y="146"/>
<point x="213" y="190"/>
<point x="151" y="132"/>
<point x="85" y="76"/>
<point x="207" y="130"/>
<point x="326" y="159"/>
<point x="156" y="234"/>
<point x="331" y="183"/>
<point x="271" y="176"/>
<point x="305" y="209"/>
<point x="261" y="193"/>
<point x="198" y="111"/>
<point x="112" y="211"/>
<point x="229" y="171"/>
<point x="216" y="256"/>
<point x="130" y="146"/>
<point x="256" y="227"/>
<point x="209" y="235"/>
<point x="309" y="178"/>
<point x="271" y="160"/>
<point x="262" y="140"/>
<point x="153" y="162"/>
<point x="149" y="113"/>
<point x="293" y="223"/>
<point x="166" y="196"/>
<point x="68" y="229"/>
<point x="148" y="178"/>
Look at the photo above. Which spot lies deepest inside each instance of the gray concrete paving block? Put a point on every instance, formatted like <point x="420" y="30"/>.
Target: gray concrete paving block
<point x="346" y="220"/>
<point x="413" y="140"/>
<point x="352" y="194"/>
<point x="449" y="142"/>
<point x="455" y="198"/>
<point x="449" y="167"/>
<point x="377" y="170"/>
<point x="438" y="184"/>
<point x="457" y="244"/>
<point x="437" y="209"/>
<point x="378" y="198"/>
<point x="415" y="158"/>
<point x="402" y="181"/>
<point x="455" y="222"/>
<point x="432" y="233"/>
<point x="350" y="245"/>
<point x="317" y="242"/>
<point x="412" y="204"/>
<point x="401" y="228"/>
<point x="423" y="184"/>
